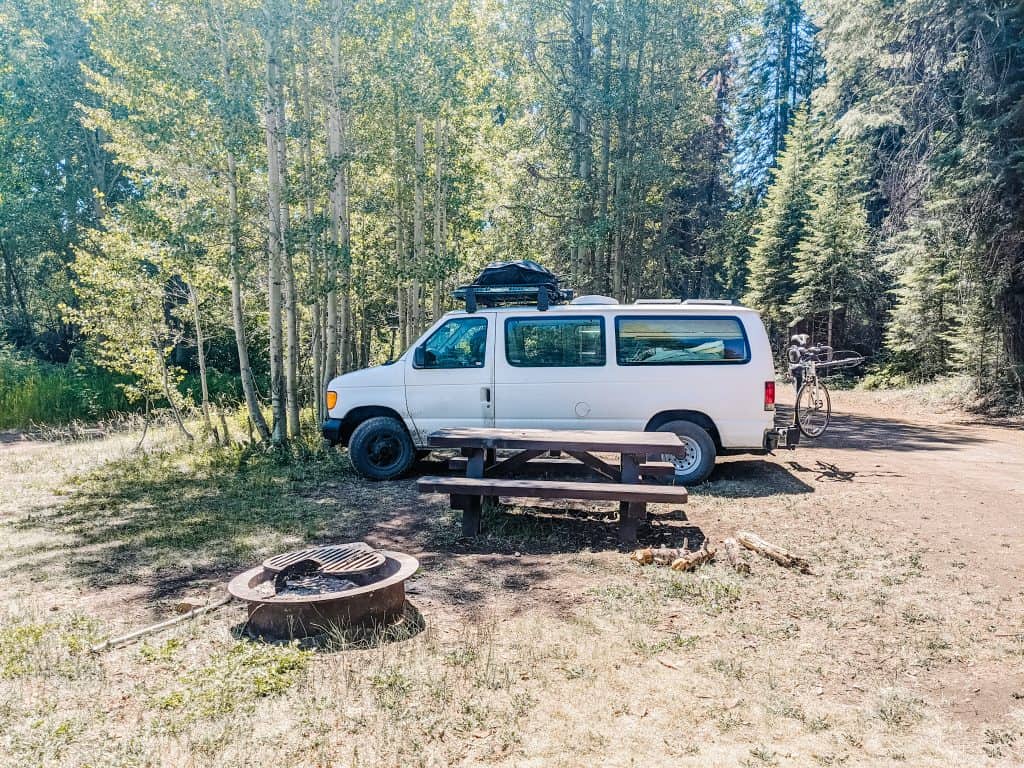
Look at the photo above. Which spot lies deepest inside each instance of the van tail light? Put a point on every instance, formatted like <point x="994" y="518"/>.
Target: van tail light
<point x="769" y="395"/>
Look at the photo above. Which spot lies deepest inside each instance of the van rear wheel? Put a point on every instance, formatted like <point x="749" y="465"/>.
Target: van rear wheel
<point x="698" y="460"/>
<point x="381" y="449"/>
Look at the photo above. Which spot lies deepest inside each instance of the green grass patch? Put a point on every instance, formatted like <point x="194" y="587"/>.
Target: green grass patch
<point x="235" y="679"/>
<point x="38" y="648"/>
<point x="710" y="594"/>
<point x="37" y="392"/>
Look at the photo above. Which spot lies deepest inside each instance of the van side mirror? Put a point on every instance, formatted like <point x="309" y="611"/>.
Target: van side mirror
<point x="419" y="357"/>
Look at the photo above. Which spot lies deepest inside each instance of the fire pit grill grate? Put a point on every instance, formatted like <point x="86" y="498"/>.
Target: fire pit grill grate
<point x="341" y="560"/>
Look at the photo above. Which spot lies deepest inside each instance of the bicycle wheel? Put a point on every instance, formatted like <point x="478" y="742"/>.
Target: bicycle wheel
<point x="813" y="409"/>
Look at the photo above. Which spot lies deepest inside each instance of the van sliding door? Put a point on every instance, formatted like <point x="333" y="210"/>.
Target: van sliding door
<point x="548" y="371"/>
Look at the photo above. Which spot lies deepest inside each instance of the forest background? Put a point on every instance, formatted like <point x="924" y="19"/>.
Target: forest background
<point x="214" y="203"/>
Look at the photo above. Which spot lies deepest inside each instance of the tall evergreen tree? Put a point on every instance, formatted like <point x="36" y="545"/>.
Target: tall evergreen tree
<point x="921" y="335"/>
<point x="935" y="92"/>
<point x="781" y="226"/>
<point x="834" y="268"/>
<point x="781" y="64"/>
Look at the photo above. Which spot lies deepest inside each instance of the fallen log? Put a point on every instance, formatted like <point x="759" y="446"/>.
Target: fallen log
<point x="693" y="559"/>
<point x="659" y="556"/>
<point x="735" y="556"/>
<point x="755" y="543"/>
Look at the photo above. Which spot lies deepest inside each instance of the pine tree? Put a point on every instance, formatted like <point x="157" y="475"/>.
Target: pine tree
<point x="921" y="335"/>
<point x="781" y="65"/>
<point x="833" y="265"/>
<point x="782" y="223"/>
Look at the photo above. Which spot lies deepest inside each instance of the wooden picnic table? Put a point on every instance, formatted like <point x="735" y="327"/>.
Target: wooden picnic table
<point x="486" y="473"/>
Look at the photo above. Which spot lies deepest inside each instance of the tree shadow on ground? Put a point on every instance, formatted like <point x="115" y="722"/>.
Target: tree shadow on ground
<point x="856" y="432"/>
<point x="169" y="522"/>
<point x="743" y="478"/>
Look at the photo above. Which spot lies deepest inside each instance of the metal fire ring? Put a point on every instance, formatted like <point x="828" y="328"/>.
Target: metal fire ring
<point x="378" y="600"/>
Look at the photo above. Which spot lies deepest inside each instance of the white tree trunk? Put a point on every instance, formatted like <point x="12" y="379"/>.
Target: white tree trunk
<point x="291" y="308"/>
<point x="440" y="201"/>
<point x="402" y="292"/>
<point x="418" y="239"/>
<point x="252" y="403"/>
<point x="313" y="246"/>
<point x="201" y="354"/>
<point x="275" y="238"/>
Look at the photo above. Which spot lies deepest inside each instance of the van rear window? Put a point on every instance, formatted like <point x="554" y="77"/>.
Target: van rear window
<point x="554" y="342"/>
<point x="680" y="340"/>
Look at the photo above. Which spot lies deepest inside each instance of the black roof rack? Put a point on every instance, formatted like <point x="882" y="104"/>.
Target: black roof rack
<point x="513" y="282"/>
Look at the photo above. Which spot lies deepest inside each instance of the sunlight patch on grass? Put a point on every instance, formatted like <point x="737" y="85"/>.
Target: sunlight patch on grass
<point x="32" y="647"/>
<point x="234" y="678"/>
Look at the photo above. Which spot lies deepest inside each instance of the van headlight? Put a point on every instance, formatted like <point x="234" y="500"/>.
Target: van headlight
<point x="332" y="399"/>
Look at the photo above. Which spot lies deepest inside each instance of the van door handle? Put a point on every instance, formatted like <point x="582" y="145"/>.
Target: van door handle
<point x="485" y="394"/>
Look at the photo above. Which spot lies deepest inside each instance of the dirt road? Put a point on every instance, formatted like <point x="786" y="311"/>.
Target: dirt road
<point x="954" y="483"/>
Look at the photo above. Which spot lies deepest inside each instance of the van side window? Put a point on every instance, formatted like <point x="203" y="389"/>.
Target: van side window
<point x="554" y="342"/>
<point x="680" y="340"/>
<point x="459" y="343"/>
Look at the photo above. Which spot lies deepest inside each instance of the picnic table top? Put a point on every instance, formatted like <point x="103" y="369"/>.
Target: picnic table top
<point x="610" y="441"/>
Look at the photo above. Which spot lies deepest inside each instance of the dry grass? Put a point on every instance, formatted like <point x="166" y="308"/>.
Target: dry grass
<point x="564" y="655"/>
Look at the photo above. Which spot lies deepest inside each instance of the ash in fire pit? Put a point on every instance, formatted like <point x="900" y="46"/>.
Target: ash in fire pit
<point x="312" y="591"/>
<point x="314" y="584"/>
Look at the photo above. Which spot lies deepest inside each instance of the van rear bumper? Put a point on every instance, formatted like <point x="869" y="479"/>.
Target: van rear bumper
<point x="781" y="437"/>
<point x="331" y="430"/>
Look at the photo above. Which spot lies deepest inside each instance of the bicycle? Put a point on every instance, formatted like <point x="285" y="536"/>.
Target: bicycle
<point x="813" y="409"/>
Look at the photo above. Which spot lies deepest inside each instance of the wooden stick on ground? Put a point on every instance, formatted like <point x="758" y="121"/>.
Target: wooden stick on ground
<point x="755" y="543"/>
<point x="734" y="556"/>
<point x="693" y="559"/>
<point x="132" y="636"/>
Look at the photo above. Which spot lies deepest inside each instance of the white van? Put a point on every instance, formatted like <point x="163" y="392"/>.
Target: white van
<point x="701" y="369"/>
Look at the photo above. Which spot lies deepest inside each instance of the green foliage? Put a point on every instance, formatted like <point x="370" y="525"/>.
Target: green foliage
<point x="123" y="293"/>
<point x="647" y="148"/>
<point x="782" y="225"/>
<point x="36" y="392"/>
<point x="834" y="267"/>
<point x="781" y="65"/>
<point x="55" y="177"/>
<point x="942" y="125"/>
<point x="922" y="331"/>
<point x="31" y="648"/>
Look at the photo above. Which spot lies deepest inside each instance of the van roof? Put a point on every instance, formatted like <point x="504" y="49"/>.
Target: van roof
<point x="695" y="308"/>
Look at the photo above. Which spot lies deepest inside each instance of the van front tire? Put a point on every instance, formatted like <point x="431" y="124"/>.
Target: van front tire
<point x="381" y="449"/>
<point x="700" y="455"/>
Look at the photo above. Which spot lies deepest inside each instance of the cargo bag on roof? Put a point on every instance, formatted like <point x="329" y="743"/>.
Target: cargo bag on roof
<point x="513" y="282"/>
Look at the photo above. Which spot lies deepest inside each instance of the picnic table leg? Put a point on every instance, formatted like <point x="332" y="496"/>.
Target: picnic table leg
<point x="490" y="459"/>
<point x="630" y="513"/>
<point x="471" y="511"/>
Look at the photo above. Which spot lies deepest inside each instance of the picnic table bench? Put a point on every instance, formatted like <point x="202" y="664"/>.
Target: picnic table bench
<point x="487" y="475"/>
